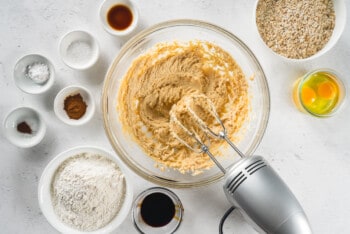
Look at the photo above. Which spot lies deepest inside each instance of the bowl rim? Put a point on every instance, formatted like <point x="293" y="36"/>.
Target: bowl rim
<point x="104" y="100"/>
<point x="44" y="197"/>
<point x="337" y="78"/>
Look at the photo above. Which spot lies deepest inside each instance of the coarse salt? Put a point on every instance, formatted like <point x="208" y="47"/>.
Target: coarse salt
<point x="38" y="72"/>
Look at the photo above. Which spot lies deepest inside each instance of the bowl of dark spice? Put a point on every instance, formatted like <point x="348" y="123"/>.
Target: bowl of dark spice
<point x="74" y="105"/>
<point x="34" y="74"/>
<point x="24" y="127"/>
<point x="300" y="30"/>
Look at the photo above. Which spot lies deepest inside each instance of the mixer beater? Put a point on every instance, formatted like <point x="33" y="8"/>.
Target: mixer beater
<point x="251" y="184"/>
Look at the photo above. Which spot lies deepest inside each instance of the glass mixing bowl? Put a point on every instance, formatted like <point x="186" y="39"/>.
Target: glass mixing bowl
<point x="183" y="30"/>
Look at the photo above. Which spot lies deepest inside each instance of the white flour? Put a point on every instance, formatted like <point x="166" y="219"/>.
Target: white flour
<point x="87" y="191"/>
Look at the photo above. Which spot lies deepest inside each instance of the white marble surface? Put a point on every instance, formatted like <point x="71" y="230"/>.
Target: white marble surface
<point x="312" y="155"/>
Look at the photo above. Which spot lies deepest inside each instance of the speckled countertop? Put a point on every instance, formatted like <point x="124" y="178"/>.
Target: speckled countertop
<point x="312" y="155"/>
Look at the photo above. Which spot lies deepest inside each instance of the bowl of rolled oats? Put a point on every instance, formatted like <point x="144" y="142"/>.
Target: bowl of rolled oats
<point x="300" y="30"/>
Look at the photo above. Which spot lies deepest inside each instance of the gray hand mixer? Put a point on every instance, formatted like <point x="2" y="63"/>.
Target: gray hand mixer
<point x="251" y="184"/>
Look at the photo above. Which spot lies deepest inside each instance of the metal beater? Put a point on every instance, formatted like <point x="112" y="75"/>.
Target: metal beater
<point x="251" y="184"/>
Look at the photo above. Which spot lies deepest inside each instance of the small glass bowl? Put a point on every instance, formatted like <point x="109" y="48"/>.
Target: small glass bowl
<point x="297" y="90"/>
<point x="143" y="227"/>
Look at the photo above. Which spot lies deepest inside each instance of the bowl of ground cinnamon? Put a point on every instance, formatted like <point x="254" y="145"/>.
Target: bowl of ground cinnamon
<point x="74" y="105"/>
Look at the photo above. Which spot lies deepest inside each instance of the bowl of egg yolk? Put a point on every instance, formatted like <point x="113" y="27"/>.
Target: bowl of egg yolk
<point x="320" y="93"/>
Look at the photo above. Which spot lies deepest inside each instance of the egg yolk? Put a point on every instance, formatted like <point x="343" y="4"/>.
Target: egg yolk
<point x="326" y="90"/>
<point x="308" y="95"/>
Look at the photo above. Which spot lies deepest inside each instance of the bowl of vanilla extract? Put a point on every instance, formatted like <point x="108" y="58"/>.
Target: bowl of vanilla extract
<point x="157" y="210"/>
<point x="119" y="17"/>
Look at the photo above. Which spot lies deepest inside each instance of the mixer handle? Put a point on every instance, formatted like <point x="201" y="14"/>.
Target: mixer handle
<point x="259" y="192"/>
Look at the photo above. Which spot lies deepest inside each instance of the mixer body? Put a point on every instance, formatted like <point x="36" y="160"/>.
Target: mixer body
<point x="260" y="194"/>
<point x="251" y="184"/>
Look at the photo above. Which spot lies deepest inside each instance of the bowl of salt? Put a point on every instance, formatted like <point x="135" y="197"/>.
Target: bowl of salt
<point x="34" y="74"/>
<point x="79" y="50"/>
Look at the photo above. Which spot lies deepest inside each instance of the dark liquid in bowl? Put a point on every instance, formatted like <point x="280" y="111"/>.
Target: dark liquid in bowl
<point x="119" y="17"/>
<point x="157" y="209"/>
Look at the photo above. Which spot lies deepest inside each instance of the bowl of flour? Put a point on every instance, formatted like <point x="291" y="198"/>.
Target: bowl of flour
<point x="85" y="190"/>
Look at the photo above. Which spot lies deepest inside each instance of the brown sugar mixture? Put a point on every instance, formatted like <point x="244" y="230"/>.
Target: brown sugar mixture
<point x="160" y="79"/>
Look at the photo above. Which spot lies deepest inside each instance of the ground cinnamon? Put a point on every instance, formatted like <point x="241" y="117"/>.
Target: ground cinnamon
<point x="75" y="106"/>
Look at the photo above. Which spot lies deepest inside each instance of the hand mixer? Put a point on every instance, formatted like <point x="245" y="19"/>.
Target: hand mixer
<point x="251" y="184"/>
